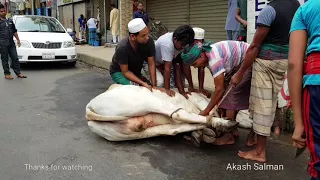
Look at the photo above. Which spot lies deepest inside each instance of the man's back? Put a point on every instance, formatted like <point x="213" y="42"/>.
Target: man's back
<point x="91" y="23"/>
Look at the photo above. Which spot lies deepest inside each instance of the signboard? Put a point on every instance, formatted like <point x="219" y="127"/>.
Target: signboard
<point x="63" y="2"/>
<point x="253" y="9"/>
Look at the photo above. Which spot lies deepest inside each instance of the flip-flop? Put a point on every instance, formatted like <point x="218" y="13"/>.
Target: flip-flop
<point x="21" y="76"/>
<point x="8" y="77"/>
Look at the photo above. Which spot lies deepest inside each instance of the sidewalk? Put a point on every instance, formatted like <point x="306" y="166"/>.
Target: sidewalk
<point x="101" y="57"/>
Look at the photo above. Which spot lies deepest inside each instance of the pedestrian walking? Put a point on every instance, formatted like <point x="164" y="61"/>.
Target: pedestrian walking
<point x="114" y="23"/>
<point x="7" y="45"/>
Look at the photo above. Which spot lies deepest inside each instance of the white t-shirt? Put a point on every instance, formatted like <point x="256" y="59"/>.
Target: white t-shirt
<point x="92" y="23"/>
<point x="165" y="50"/>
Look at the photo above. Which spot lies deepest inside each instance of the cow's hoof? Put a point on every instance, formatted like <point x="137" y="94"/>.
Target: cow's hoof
<point x="209" y="132"/>
<point x="196" y="138"/>
<point x="208" y="139"/>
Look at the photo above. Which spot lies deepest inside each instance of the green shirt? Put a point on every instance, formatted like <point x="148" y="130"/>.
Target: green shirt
<point x="242" y="5"/>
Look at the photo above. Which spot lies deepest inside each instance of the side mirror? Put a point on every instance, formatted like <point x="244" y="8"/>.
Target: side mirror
<point x="69" y="30"/>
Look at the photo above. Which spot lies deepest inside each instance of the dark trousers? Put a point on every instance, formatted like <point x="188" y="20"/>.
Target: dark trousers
<point x="11" y="51"/>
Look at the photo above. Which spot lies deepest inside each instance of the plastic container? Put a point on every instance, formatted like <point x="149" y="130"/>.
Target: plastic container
<point x="96" y="43"/>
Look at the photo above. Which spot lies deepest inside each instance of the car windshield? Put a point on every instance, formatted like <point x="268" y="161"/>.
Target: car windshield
<point x="38" y="24"/>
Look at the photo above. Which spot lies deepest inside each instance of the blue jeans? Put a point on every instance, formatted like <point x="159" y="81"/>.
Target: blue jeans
<point x="232" y="35"/>
<point x="92" y="36"/>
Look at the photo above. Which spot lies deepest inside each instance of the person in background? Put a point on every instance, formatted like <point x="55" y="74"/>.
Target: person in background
<point x="130" y="55"/>
<point x="241" y="17"/>
<point x="268" y="53"/>
<point x="92" y="26"/>
<point x="8" y="46"/>
<point x="304" y="81"/>
<point x="82" y="28"/>
<point x="232" y="25"/>
<point x="223" y="59"/>
<point x="168" y="47"/>
<point x="114" y="23"/>
<point x="141" y="14"/>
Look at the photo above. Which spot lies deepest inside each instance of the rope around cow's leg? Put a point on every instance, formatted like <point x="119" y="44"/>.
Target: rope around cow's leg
<point x="174" y="112"/>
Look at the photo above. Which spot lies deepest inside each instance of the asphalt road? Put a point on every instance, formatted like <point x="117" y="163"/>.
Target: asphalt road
<point x="44" y="135"/>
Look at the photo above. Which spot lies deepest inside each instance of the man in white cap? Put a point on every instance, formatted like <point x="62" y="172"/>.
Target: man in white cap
<point x="198" y="39"/>
<point x="130" y="55"/>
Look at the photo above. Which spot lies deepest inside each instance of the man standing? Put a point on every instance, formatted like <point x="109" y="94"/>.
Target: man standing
<point x="92" y="25"/>
<point x="141" y="14"/>
<point x="130" y="55"/>
<point x="268" y="53"/>
<point x="168" y="47"/>
<point x="232" y="25"/>
<point x="114" y="23"/>
<point x="82" y="28"/>
<point x="241" y="16"/>
<point x="7" y="45"/>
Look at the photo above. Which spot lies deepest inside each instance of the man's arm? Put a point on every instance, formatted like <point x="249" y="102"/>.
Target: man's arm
<point x="16" y="34"/>
<point x="188" y="74"/>
<point x="239" y="18"/>
<point x="167" y="72"/>
<point x="152" y="71"/>
<point x="217" y="95"/>
<point x="201" y="78"/>
<point x="178" y="79"/>
<point x="130" y="76"/>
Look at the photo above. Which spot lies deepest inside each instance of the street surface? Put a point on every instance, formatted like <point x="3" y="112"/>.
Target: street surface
<point x="44" y="135"/>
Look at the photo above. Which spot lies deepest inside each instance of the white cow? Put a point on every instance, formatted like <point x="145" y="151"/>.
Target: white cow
<point x="133" y="112"/>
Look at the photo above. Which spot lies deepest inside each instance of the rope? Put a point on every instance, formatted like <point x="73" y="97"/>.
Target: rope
<point x="174" y="112"/>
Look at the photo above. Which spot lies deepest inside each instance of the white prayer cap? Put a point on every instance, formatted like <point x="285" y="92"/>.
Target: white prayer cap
<point x="136" y="25"/>
<point x="198" y="33"/>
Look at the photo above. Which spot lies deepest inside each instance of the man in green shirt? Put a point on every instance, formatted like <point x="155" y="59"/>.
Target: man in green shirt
<point x="241" y="17"/>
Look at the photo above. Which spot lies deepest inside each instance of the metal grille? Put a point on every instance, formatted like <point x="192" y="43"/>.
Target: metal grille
<point x="54" y="45"/>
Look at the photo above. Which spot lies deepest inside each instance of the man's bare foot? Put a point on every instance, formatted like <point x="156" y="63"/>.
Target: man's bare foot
<point x="251" y="139"/>
<point x="226" y="139"/>
<point x="253" y="156"/>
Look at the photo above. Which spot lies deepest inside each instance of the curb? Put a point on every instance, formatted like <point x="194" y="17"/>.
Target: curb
<point x="94" y="61"/>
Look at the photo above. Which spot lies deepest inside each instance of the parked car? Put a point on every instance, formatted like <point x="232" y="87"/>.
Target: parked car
<point x="44" y="39"/>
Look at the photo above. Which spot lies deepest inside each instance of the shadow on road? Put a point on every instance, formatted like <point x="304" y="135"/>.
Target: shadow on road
<point x="44" y="66"/>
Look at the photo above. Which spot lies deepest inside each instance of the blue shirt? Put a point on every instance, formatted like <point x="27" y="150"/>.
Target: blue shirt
<point x="231" y="22"/>
<point x="80" y="20"/>
<point x="307" y="18"/>
<point x="142" y="15"/>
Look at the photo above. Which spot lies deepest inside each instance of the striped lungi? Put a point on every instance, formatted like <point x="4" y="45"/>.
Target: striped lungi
<point x="267" y="80"/>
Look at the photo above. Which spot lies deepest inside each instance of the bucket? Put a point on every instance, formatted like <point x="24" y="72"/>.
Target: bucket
<point x="96" y="43"/>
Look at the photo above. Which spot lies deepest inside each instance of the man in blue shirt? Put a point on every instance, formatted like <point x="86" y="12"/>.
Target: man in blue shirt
<point x="7" y="45"/>
<point x="141" y="14"/>
<point x="82" y="27"/>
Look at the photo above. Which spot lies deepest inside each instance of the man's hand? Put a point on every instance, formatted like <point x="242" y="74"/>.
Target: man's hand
<point x="170" y="93"/>
<point x="191" y="89"/>
<point x="158" y="88"/>
<point x="204" y="113"/>
<point x="18" y="43"/>
<point x="205" y="92"/>
<point x="146" y="85"/>
<point x="245" y="23"/>
<point x="298" y="141"/>
<point x="236" y="79"/>
<point x="185" y="94"/>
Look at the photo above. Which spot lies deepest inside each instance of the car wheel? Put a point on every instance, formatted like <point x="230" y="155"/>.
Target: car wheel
<point x="72" y="64"/>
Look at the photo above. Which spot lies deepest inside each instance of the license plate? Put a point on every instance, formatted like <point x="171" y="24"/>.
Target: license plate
<point x="48" y="56"/>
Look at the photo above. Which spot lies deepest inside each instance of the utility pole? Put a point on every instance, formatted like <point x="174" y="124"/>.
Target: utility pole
<point x="105" y="21"/>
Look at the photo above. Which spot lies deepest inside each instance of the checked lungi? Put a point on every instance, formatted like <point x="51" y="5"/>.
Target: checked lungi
<point x="92" y="36"/>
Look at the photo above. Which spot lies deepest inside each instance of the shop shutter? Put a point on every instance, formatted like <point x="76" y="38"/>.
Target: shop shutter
<point x="170" y="13"/>
<point x="211" y="16"/>
<point x="67" y="16"/>
<point x="79" y="8"/>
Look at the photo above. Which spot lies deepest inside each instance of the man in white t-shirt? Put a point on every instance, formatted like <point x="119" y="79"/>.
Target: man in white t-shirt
<point x="168" y="47"/>
<point x="92" y="26"/>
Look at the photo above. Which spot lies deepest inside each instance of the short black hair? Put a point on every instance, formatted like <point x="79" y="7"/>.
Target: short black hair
<point x="112" y="5"/>
<point x="184" y="34"/>
<point x="1" y="6"/>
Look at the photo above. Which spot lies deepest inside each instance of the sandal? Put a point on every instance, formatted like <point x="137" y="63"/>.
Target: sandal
<point x="21" y="76"/>
<point x="9" y="77"/>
